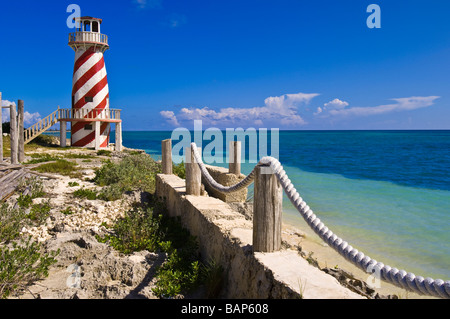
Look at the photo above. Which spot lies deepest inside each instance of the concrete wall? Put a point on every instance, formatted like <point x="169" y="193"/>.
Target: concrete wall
<point x="226" y="236"/>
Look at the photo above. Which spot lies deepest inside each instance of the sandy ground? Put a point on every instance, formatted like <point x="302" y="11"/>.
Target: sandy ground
<point x="328" y="257"/>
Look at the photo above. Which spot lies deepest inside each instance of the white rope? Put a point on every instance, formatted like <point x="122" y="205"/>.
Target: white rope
<point x="400" y="278"/>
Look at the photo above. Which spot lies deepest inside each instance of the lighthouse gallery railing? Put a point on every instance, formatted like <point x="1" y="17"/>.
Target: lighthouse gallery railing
<point x="83" y="36"/>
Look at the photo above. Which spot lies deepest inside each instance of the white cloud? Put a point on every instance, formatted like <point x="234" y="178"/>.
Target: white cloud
<point x="176" y="20"/>
<point x="31" y="118"/>
<point x="5" y="112"/>
<point x="144" y="4"/>
<point x="28" y="118"/>
<point x="335" y="104"/>
<point x="318" y="111"/>
<point x="170" y="117"/>
<point x="290" y="110"/>
<point x="282" y="109"/>
<point x="402" y="104"/>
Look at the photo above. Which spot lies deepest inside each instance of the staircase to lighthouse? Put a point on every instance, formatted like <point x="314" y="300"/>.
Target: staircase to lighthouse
<point x="90" y="92"/>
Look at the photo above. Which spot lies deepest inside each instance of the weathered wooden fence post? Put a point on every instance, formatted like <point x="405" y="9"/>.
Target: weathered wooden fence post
<point x="234" y="165"/>
<point x="20" y="126"/>
<point x="193" y="174"/>
<point x="166" y="151"/>
<point x="267" y="211"/>
<point x="13" y="134"/>
<point x="1" y="130"/>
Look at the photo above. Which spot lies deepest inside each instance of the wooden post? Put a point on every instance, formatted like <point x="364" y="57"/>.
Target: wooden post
<point x="267" y="212"/>
<point x="1" y="130"/>
<point x="62" y="133"/>
<point x="13" y="134"/>
<point x="118" y="145"/>
<point x="193" y="174"/>
<point x="166" y="151"/>
<point x="234" y="166"/>
<point x="97" y="135"/>
<point x="21" y="141"/>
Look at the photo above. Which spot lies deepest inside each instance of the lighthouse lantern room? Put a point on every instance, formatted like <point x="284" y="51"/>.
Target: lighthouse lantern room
<point x="90" y="115"/>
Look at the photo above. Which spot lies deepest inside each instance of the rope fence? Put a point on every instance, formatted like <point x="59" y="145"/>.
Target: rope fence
<point x="400" y="278"/>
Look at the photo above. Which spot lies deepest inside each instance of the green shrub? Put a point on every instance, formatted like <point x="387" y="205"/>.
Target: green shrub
<point x="176" y="275"/>
<point x="39" y="212"/>
<point x="111" y="193"/>
<point x="24" y="201"/>
<point x="141" y="229"/>
<point x="22" y="265"/>
<point x="73" y="184"/>
<point x="46" y="140"/>
<point x="67" y="211"/>
<point x="34" y="183"/>
<point x="134" y="172"/>
<point x="11" y="222"/>
<point x="85" y="193"/>
<point x="179" y="170"/>
<point x="138" y="230"/>
<point x="104" y="153"/>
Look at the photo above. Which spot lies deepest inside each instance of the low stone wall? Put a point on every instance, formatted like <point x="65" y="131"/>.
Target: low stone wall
<point x="221" y="176"/>
<point x="226" y="236"/>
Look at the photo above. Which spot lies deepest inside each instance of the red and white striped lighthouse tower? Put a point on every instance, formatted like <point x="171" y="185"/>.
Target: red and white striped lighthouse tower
<point x="90" y="93"/>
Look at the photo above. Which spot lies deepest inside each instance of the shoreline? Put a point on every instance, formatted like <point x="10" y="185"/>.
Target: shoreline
<point x="327" y="257"/>
<point x="293" y="235"/>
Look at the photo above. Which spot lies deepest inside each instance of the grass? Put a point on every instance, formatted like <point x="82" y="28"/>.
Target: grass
<point x="6" y="146"/>
<point x="212" y="276"/>
<point x="43" y="141"/>
<point x="78" y="155"/>
<point x="41" y="158"/>
<point x="67" y="211"/>
<point x="60" y="166"/>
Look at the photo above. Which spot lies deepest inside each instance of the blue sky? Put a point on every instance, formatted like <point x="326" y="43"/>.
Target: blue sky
<point x="284" y="64"/>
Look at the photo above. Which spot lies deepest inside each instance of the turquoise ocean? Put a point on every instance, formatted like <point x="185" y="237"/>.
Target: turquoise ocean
<point x="387" y="193"/>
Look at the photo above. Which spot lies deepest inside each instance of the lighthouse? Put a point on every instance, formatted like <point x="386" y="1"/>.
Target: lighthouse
<point x="90" y="116"/>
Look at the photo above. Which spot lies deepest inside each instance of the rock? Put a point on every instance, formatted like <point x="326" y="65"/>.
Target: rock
<point x="86" y="268"/>
<point x="348" y="280"/>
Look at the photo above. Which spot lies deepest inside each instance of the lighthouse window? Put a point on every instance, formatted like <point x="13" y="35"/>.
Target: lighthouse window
<point x="88" y="99"/>
<point x="95" y="26"/>
<point x="88" y="127"/>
